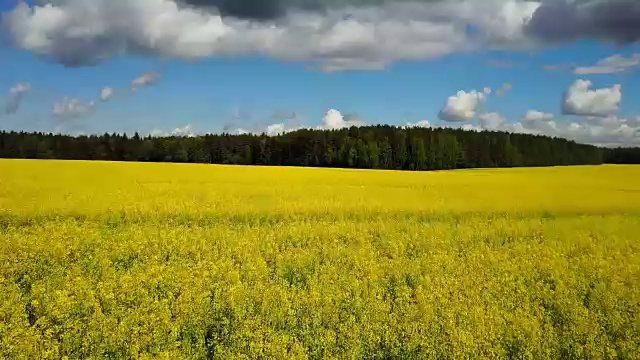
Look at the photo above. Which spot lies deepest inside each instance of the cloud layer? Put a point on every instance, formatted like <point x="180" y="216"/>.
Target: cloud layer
<point x="612" y="132"/>
<point x="15" y="97"/>
<point x="612" y="65"/>
<point x="419" y="124"/>
<point x="71" y="108"/>
<point x="462" y="106"/>
<point x="492" y="121"/>
<point x="347" y="34"/>
<point x="106" y="94"/>
<point x="146" y="79"/>
<point x="334" y="120"/>
<point x="68" y="108"/>
<point x="602" y="131"/>
<point x="580" y="99"/>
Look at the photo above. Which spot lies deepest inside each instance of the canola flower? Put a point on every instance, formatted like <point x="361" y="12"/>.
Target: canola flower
<point x="177" y="261"/>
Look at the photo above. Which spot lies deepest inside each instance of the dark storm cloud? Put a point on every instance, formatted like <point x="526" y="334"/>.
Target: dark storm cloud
<point x="610" y="20"/>
<point x="272" y="9"/>
<point x="248" y="9"/>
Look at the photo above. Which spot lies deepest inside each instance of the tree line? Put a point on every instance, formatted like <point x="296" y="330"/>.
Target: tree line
<point x="626" y="155"/>
<point x="370" y="147"/>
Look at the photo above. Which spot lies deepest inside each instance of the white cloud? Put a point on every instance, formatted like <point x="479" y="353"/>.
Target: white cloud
<point x="471" y="127"/>
<point x="534" y="115"/>
<point x="106" y="94"/>
<point x="419" y="124"/>
<point x="333" y="119"/>
<point x="620" y="134"/>
<point x="185" y="131"/>
<point x="632" y="122"/>
<point x="275" y="129"/>
<point x="81" y="32"/>
<point x="597" y="130"/>
<point x="158" y="133"/>
<point x="609" y="121"/>
<point x="280" y="129"/>
<point x="146" y="79"/>
<point x="492" y="121"/>
<point x="235" y="130"/>
<point x="612" y="65"/>
<point x="609" y="131"/>
<point x="462" y="106"/>
<point x="486" y="91"/>
<point x="15" y="97"/>
<point x="539" y="122"/>
<point x="580" y="100"/>
<point x="240" y="131"/>
<point x="518" y="128"/>
<point x="70" y="108"/>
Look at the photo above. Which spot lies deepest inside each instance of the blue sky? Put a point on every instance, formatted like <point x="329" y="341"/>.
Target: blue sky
<point x="205" y="91"/>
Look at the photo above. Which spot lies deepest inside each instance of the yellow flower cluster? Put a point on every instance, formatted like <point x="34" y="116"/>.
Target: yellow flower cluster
<point x="176" y="261"/>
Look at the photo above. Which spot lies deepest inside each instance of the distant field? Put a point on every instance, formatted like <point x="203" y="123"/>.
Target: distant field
<point x="178" y="261"/>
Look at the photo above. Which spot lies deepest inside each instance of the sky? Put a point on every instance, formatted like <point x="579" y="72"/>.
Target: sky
<point x="565" y="68"/>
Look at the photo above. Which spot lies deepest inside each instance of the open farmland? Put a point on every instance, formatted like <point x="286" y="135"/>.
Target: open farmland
<point x="177" y="261"/>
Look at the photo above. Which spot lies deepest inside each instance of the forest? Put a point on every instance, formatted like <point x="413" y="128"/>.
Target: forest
<point x="370" y="147"/>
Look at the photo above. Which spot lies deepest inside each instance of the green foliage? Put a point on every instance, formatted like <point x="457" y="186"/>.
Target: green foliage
<point x="372" y="147"/>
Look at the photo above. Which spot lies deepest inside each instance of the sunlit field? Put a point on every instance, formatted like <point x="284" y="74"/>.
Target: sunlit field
<point x="182" y="261"/>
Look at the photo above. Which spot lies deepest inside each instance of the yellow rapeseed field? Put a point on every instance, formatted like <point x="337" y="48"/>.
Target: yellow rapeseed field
<point x="177" y="261"/>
